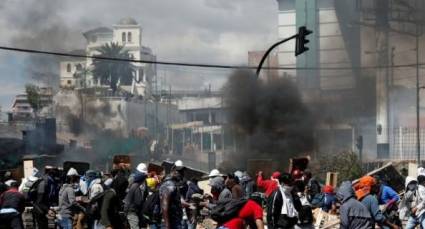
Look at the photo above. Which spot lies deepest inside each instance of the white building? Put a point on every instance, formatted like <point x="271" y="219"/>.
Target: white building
<point x="76" y="72"/>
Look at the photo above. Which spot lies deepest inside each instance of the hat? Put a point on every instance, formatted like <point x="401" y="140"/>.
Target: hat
<point x="364" y="186"/>
<point x="178" y="165"/>
<point x="151" y="182"/>
<point x="328" y="189"/>
<point x="10" y="182"/>
<point x="239" y="174"/>
<point x="216" y="182"/>
<point x="142" y="168"/>
<point x="276" y="175"/>
<point x="215" y="173"/>
<point x="421" y="171"/>
<point x="108" y="182"/>
<point x="72" y="172"/>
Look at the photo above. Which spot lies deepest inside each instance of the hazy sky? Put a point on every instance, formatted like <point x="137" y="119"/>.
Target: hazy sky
<point x="201" y="31"/>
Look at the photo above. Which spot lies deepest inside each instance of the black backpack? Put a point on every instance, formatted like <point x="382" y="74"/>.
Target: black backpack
<point x="152" y="208"/>
<point x="32" y="193"/>
<point x="227" y="210"/>
<point x="95" y="205"/>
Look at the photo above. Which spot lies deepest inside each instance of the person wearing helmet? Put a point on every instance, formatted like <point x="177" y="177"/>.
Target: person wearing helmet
<point x="136" y="196"/>
<point x="67" y="199"/>
<point x="367" y="189"/>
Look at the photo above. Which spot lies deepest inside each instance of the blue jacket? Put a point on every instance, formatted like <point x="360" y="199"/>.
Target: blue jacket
<point x="372" y="205"/>
<point x="328" y="201"/>
<point x="387" y="194"/>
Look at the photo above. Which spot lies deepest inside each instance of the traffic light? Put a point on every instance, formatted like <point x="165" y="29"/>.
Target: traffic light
<point x="301" y="40"/>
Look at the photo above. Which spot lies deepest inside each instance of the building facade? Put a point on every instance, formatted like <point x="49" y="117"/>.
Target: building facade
<point x="76" y="72"/>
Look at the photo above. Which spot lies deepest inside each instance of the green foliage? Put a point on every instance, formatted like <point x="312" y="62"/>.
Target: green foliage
<point x="112" y="72"/>
<point x="346" y="164"/>
<point x="33" y="96"/>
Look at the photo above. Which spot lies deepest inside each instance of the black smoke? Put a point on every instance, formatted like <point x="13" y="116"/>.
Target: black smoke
<point x="269" y="119"/>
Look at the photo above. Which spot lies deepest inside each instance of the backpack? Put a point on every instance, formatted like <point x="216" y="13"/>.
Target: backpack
<point x="151" y="210"/>
<point x="95" y="205"/>
<point x="227" y="210"/>
<point x="31" y="194"/>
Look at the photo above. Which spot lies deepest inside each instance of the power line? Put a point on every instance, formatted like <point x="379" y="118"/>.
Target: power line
<point x="219" y="66"/>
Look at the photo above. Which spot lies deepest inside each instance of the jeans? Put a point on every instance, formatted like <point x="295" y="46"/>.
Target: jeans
<point x="65" y="223"/>
<point x="412" y="222"/>
<point x="133" y="220"/>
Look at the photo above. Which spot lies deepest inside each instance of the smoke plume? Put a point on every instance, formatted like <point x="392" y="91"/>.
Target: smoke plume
<point x="38" y="25"/>
<point x="268" y="118"/>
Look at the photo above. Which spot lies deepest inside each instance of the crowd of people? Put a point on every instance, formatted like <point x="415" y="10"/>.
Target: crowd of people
<point x="145" y="199"/>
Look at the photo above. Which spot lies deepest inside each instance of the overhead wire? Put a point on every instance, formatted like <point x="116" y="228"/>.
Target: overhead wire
<point x="199" y="65"/>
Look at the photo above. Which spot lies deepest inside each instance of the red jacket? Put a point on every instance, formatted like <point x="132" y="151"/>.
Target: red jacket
<point x="269" y="186"/>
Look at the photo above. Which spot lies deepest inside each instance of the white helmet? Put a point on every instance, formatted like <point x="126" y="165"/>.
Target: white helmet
<point x="142" y="168"/>
<point x="72" y="172"/>
<point x="215" y="173"/>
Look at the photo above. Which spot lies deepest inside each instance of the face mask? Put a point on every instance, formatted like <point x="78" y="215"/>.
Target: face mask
<point x="411" y="187"/>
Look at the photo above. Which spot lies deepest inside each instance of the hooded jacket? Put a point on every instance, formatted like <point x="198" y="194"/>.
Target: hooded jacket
<point x="410" y="199"/>
<point x="137" y="194"/>
<point x="66" y="200"/>
<point x="353" y="214"/>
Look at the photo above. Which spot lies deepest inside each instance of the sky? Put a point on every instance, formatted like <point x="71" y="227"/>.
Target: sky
<point x="199" y="31"/>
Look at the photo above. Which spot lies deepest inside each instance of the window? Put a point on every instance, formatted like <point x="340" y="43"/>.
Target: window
<point x="78" y="67"/>
<point x="69" y="82"/>
<point x="123" y="37"/>
<point x="129" y="36"/>
<point x="68" y="68"/>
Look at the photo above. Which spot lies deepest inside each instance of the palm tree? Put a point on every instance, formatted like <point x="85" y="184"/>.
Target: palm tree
<point x="112" y="72"/>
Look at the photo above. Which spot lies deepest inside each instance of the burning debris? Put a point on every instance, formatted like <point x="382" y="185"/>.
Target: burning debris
<point x="268" y="118"/>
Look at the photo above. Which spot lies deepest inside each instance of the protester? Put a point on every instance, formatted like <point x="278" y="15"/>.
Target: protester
<point x="46" y="197"/>
<point x="171" y="206"/>
<point x="353" y="214"/>
<point x="232" y="183"/>
<point x="313" y="189"/>
<point x="329" y="199"/>
<point x="219" y="192"/>
<point x="285" y="205"/>
<point x="247" y="183"/>
<point x="367" y="189"/>
<point x="12" y="205"/>
<point x="120" y="177"/>
<point x="28" y="182"/>
<point x="251" y="215"/>
<point x="93" y="182"/>
<point x="67" y="199"/>
<point x="136" y="196"/>
<point x="109" y="209"/>
<point x="193" y="189"/>
<point x="419" y="210"/>
<point x="409" y="202"/>
<point x="269" y="186"/>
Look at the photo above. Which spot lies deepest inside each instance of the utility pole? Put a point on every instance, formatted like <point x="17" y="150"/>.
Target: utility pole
<point x="418" y="137"/>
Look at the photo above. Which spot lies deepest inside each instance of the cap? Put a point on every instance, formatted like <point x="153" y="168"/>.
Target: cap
<point x="276" y="175"/>
<point x="142" y="168"/>
<point x="72" y="172"/>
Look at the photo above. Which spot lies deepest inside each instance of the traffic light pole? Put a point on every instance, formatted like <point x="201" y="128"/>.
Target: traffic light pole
<point x="299" y="46"/>
<point x="269" y="50"/>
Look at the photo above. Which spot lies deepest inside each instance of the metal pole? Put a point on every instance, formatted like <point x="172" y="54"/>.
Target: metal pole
<point x="269" y="50"/>
<point x="418" y="139"/>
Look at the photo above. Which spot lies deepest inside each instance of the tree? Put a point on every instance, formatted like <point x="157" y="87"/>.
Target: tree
<point x="346" y="164"/>
<point x="113" y="72"/>
<point x="33" y="96"/>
